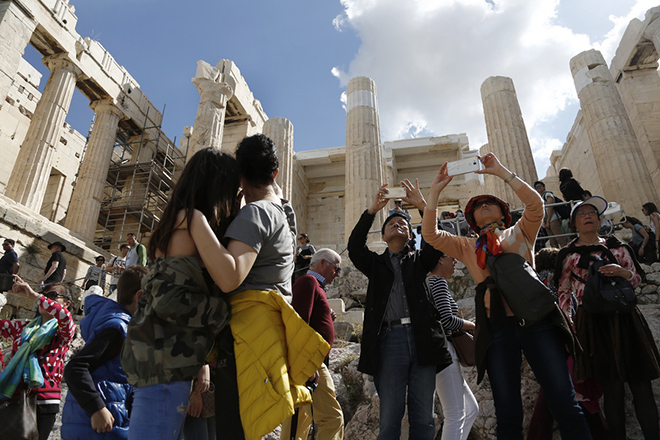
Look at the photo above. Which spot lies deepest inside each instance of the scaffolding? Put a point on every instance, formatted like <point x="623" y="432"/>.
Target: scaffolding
<point x="144" y="167"/>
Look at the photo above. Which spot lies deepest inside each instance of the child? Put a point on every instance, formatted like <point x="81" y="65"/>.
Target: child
<point x="98" y="390"/>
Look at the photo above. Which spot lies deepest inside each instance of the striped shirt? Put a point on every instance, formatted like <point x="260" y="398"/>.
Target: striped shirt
<point x="445" y="305"/>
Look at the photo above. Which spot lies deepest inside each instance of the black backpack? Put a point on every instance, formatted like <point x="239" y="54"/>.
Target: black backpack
<point x="564" y="211"/>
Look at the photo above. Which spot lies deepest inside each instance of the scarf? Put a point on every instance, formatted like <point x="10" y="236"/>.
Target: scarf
<point x="488" y="242"/>
<point x="25" y="363"/>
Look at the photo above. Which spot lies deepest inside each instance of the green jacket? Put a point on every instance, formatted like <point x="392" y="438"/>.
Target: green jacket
<point x="174" y="328"/>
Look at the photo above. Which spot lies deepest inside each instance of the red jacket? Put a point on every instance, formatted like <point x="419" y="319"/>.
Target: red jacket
<point x="51" y="357"/>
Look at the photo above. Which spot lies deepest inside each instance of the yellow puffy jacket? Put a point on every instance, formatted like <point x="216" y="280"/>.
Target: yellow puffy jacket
<point x="276" y="352"/>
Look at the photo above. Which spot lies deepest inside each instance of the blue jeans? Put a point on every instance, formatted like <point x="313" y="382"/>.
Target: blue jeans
<point x="546" y="355"/>
<point x="399" y="370"/>
<point x="159" y="411"/>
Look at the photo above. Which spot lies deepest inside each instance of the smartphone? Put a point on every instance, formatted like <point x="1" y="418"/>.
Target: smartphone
<point x="463" y="166"/>
<point x="395" y="193"/>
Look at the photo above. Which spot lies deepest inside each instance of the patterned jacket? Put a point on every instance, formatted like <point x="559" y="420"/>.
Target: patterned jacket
<point x="174" y="328"/>
<point x="51" y="357"/>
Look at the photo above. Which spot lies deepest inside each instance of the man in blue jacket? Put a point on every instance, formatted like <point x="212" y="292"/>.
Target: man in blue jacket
<point x="403" y="344"/>
<point x="96" y="406"/>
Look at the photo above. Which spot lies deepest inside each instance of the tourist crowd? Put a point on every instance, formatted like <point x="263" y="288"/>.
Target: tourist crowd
<point x="227" y="332"/>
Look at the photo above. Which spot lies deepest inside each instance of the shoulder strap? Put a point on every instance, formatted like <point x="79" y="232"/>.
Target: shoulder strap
<point x="580" y="279"/>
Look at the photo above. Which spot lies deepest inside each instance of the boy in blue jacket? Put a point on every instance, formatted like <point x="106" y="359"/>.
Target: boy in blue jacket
<point x="95" y="407"/>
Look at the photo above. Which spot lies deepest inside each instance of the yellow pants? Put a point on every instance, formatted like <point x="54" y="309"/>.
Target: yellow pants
<point x="327" y="412"/>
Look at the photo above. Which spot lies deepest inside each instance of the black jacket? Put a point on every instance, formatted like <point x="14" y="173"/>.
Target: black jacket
<point x="429" y="337"/>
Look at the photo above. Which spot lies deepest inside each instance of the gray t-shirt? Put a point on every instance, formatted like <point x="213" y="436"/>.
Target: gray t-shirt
<point x="263" y="226"/>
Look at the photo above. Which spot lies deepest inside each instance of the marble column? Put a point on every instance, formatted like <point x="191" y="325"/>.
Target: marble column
<point x="280" y="130"/>
<point x="16" y="28"/>
<point x="507" y="136"/>
<point x="364" y="153"/>
<point x="215" y="90"/>
<point x="619" y="161"/>
<point x="83" y="212"/>
<point x="29" y="176"/>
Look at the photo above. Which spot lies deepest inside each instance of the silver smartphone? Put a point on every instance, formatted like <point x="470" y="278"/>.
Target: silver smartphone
<point x="463" y="166"/>
<point x="395" y="193"/>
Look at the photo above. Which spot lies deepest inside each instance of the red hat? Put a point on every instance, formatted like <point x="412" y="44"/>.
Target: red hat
<point x="469" y="210"/>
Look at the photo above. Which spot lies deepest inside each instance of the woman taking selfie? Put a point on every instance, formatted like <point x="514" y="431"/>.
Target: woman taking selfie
<point x="500" y="336"/>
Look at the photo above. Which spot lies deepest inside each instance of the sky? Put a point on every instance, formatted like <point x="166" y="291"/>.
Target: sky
<point x="427" y="57"/>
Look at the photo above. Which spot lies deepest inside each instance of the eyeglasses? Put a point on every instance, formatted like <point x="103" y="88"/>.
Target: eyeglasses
<point x="586" y="214"/>
<point x="336" y="267"/>
<point x="451" y="258"/>
<point x="538" y="186"/>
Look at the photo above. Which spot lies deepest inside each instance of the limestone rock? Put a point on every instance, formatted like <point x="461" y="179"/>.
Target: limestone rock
<point x="653" y="278"/>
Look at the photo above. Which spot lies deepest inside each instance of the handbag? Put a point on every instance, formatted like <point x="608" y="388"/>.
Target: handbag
<point x="208" y="402"/>
<point x="528" y="297"/>
<point x="19" y="418"/>
<point x="605" y="295"/>
<point x="463" y="343"/>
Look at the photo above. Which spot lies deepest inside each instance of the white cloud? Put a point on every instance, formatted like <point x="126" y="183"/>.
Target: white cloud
<point x="429" y="59"/>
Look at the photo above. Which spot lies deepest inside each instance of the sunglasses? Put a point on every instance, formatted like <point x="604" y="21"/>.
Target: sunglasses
<point x="53" y="294"/>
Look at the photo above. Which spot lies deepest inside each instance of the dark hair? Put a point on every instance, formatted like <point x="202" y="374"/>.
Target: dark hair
<point x="305" y="237"/>
<point x="129" y="283"/>
<point x="131" y="234"/>
<point x="565" y="174"/>
<point x="546" y="258"/>
<point x="100" y="257"/>
<point x="10" y="241"/>
<point x="632" y="220"/>
<point x="209" y="183"/>
<point x="123" y="246"/>
<point x="396" y="214"/>
<point x="537" y="182"/>
<point x="257" y="160"/>
<point x="650" y="207"/>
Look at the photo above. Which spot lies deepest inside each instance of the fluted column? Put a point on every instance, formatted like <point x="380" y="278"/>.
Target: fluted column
<point x="215" y="90"/>
<point x="623" y="173"/>
<point x="85" y="204"/>
<point x="507" y="136"/>
<point x="364" y="152"/>
<point x="29" y="176"/>
<point x="280" y="130"/>
<point x="16" y="29"/>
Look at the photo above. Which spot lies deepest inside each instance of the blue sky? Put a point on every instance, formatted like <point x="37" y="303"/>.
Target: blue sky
<point x="428" y="58"/>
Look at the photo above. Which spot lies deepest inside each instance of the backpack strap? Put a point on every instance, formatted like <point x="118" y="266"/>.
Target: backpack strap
<point x="580" y="279"/>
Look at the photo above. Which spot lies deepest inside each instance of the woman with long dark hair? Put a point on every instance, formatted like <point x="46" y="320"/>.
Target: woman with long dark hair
<point x="180" y="312"/>
<point x="651" y="211"/>
<point x="643" y="242"/>
<point x="618" y="347"/>
<point x="500" y="338"/>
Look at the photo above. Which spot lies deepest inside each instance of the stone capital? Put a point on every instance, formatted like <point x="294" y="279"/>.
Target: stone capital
<point x="106" y="106"/>
<point x="62" y="61"/>
<point x="652" y="31"/>
<point x="211" y="91"/>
